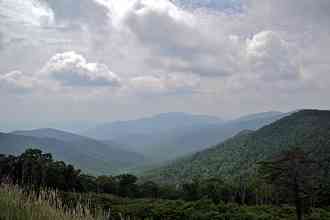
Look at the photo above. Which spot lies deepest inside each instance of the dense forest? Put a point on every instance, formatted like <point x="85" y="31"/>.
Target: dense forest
<point x="268" y="195"/>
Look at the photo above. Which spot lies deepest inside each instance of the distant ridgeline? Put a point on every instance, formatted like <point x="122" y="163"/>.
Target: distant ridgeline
<point x="90" y="155"/>
<point x="238" y="156"/>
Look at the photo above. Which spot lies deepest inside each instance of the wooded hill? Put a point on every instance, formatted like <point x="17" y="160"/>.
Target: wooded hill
<point x="306" y="129"/>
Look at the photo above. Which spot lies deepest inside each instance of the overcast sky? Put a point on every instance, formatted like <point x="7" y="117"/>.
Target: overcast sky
<point x="102" y="60"/>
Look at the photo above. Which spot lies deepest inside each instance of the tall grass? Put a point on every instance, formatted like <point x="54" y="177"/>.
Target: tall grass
<point x="45" y="205"/>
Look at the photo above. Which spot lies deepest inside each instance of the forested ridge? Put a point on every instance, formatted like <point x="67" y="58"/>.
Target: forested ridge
<point x="238" y="156"/>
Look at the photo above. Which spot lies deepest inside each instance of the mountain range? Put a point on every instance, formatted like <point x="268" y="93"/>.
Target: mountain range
<point x="171" y="135"/>
<point x="237" y="156"/>
<point x="123" y="145"/>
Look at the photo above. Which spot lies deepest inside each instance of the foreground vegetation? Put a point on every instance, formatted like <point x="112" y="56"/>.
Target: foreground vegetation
<point x="269" y="195"/>
<point x="18" y="205"/>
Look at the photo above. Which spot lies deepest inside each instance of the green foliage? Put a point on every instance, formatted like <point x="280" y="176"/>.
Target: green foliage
<point x="203" y="209"/>
<point x="34" y="169"/>
<point x="238" y="156"/>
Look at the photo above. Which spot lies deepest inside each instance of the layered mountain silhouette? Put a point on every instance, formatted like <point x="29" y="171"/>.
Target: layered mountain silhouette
<point x="170" y="135"/>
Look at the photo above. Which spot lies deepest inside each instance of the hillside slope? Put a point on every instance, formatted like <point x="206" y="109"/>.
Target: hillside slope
<point x="196" y="139"/>
<point x="308" y="129"/>
<point x="88" y="154"/>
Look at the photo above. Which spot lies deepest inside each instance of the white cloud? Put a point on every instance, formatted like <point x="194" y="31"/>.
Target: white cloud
<point x="72" y="69"/>
<point x="269" y="56"/>
<point x="67" y="70"/>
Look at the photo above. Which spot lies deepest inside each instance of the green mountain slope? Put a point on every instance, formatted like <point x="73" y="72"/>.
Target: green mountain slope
<point x="308" y="129"/>
<point x="88" y="154"/>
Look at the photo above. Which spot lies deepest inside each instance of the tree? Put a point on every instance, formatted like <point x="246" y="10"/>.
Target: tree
<point x="34" y="169"/>
<point x="191" y="190"/>
<point x="107" y="184"/>
<point x="87" y="183"/>
<point x="127" y="185"/>
<point x="294" y="172"/>
<point x="149" y="189"/>
<point x="33" y="165"/>
<point x="216" y="190"/>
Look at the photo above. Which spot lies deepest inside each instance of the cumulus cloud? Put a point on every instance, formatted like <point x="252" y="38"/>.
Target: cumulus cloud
<point x="158" y="23"/>
<point x="63" y="70"/>
<point x="174" y="36"/>
<point x="269" y="56"/>
<point x="72" y="69"/>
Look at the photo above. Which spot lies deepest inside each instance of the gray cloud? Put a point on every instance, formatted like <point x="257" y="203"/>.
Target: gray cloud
<point x="230" y="5"/>
<point x="163" y="84"/>
<point x="79" y="12"/>
<point x="2" y="41"/>
<point x="27" y="13"/>
<point x="292" y="14"/>
<point x="178" y="38"/>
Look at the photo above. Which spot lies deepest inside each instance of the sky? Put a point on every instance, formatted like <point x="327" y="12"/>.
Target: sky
<point x="105" y="60"/>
